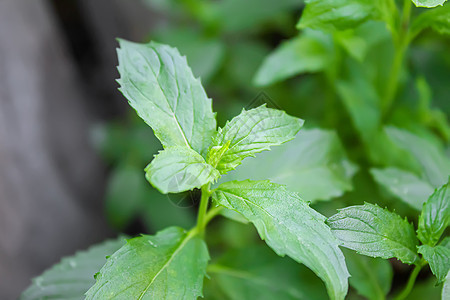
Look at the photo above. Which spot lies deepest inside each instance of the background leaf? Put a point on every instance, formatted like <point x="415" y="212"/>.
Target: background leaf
<point x="314" y="164"/>
<point x="371" y="277"/>
<point x="74" y="275"/>
<point x="428" y="3"/>
<point x="179" y="169"/>
<point x="168" y="265"/>
<point x="435" y="216"/>
<point x="311" y="51"/>
<point x="290" y="227"/>
<point x="254" y="131"/>
<point x="405" y="185"/>
<point x="255" y="272"/>
<point x="160" y="86"/>
<point x="336" y="14"/>
<point x="376" y="232"/>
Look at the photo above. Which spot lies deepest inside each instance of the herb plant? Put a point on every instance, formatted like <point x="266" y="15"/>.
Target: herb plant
<point x="354" y="51"/>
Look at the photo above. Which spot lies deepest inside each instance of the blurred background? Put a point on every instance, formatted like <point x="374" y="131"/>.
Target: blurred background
<point x="71" y="149"/>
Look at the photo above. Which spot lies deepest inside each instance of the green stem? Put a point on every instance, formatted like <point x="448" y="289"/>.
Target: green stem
<point x="204" y="201"/>
<point x="412" y="279"/>
<point x="401" y="43"/>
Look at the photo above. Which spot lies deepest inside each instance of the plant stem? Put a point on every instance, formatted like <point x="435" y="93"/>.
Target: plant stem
<point x="412" y="279"/>
<point x="401" y="42"/>
<point x="204" y="201"/>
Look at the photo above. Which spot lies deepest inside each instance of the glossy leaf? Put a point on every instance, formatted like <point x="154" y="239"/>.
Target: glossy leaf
<point x="254" y="131"/>
<point x="160" y="86"/>
<point x="309" y="52"/>
<point x="376" y="232"/>
<point x="168" y="265"/>
<point x="336" y="14"/>
<point x="371" y="277"/>
<point x="434" y="162"/>
<point x="428" y="3"/>
<point x="255" y="272"/>
<point x="74" y="275"/>
<point x="317" y="168"/>
<point x="290" y="227"/>
<point x="405" y="185"/>
<point x="435" y="216"/>
<point x="438" y="258"/>
<point x="179" y="169"/>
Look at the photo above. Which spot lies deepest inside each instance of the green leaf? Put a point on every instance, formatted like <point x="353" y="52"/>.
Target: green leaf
<point x="405" y="185"/>
<point x="205" y="54"/>
<point x="437" y="18"/>
<point x="434" y="162"/>
<point x="254" y="131"/>
<point x="311" y="51"/>
<point x="375" y="232"/>
<point x="371" y="277"/>
<point x="168" y="265"/>
<point x="317" y="168"/>
<point x="446" y="288"/>
<point x="435" y="216"/>
<point x="255" y="272"/>
<point x="178" y="169"/>
<point x="290" y="227"/>
<point x="439" y="259"/>
<point x="159" y="85"/>
<point x="428" y="3"/>
<point x="336" y="14"/>
<point x="74" y="275"/>
<point x="124" y="195"/>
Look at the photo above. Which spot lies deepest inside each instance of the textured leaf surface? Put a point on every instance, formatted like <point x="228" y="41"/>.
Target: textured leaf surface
<point x="428" y="3"/>
<point x="317" y="166"/>
<point x="255" y="272"/>
<point x="439" y="259"/>
<point x="254" y="131"/>
<point x="74" y="275"/>
<point x="159" y="85"/>
<point x="405" y="185"/>
<point x="446" y="288"/>
<point x="435" y="216"/>
<point x="309" y="52"/>
<point x="290" y="227"/>
<point x="178" y="169"/>
<point x="434" y="162"/>
<point x="376" y="232"/>
<point x="168" y="265"/>
<point x="371" y="277"/>
<point x="336" y="14"/>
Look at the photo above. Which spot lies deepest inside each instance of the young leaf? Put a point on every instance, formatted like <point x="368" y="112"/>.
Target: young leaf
<point x="74" y="275"/>
<point x="376" y="232"/>
<point x="253" y="131"/>
<point x="255" y="272"/>
<point x="311" y="51"/>
<point x="434" y="162"/>
<point x="439" y="259"/>
<point x="168" y="265"/>
<point x="160" y="86"/>
<point x="371" y="277"/>
<point x="435" y="216"/>
<point x="336" y="14"/>
<point x="290" y="227"/>
<point x="317" y="168"/>
<point x="178" y="169"/>
<point x="428" y="3"/>
<point x="405" y="185"/>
